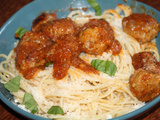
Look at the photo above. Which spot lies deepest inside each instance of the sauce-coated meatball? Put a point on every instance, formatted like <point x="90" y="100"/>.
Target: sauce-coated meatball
<point x="41" y="20"/>
<point x="146" y="61"/>
<point x="58" y="27"/>
<point x="97" y="37"/>
<point x="145" y="85"/>
<point x="142" y="27"/>
<point x="30" y="53"/>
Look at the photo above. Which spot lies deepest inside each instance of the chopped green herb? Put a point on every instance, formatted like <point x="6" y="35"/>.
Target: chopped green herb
<point x="13" y="85"/>
<point x="95" y="6"/>
<point x="20" y="32"/>
<point x="55" y="110"/>
<point x="49" y="63"/>
<point x="107" y="67"/>
<point x="29" y="102"/>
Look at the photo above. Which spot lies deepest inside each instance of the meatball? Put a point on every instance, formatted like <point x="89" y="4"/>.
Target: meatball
<point x="96" y="37"/>
<point x="146" y="61"/>
<point x="30" y="53"/>
<point x="142" y="27"/>
<point x="58" y="27"/>
<point x="145" y="85"/>
<point x="92" y="41"/>
<point x="40" y="21"/>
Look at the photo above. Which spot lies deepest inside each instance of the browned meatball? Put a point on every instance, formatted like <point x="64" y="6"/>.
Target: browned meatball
<point x="40" y="21"/>
<point x="146" y="61"/>
<point x="142" y="27"/>
<point x="96" y="37"/>
<point x="58" y="27"/>
<point x="145" y="85"/>
<point x="30" y="53"/>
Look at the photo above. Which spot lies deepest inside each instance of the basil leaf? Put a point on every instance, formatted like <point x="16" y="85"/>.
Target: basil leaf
<point x="29" y="102"/>
<point x="55" y="110"/>
<point x="13" y="85"/>
<point x="95" y="6"/>
<point x="20" y="32"/>
<point x="107" y="67"/>
<point x="111" y="68"/>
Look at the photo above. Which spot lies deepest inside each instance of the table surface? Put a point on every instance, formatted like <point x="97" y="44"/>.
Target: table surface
<point x="8" y="8"/>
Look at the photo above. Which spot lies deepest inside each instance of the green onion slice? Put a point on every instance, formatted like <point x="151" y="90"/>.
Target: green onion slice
<point x="29" y="102"/>
<point x="95" y="6"/>
<point x="107" y="67"/>
<point x="13" y="85"/>
<point x="55" y="110"/>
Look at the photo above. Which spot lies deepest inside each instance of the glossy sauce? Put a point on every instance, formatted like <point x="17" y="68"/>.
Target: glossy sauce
<point x="30" y="53"/>
<point x="60" y="41"/>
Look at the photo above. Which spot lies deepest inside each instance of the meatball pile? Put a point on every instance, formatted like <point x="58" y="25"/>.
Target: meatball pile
<point x="60" y="41"/>
<point x="145" y="81"/>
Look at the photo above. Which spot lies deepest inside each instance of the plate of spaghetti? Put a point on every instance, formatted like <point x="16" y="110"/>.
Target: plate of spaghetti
<point x="80" y="59"/>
